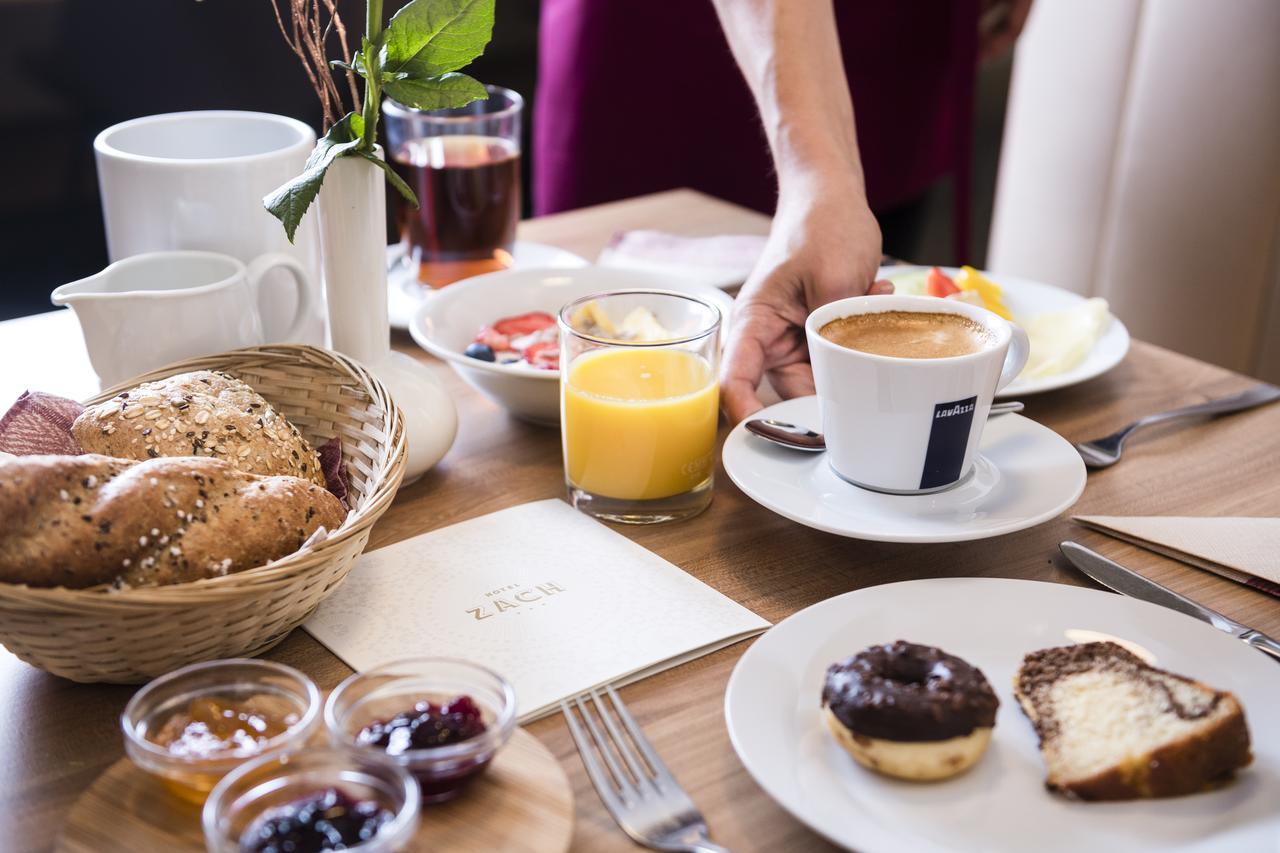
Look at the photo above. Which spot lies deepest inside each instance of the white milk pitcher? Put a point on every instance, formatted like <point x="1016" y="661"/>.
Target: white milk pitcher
<point x="148" y="310"/>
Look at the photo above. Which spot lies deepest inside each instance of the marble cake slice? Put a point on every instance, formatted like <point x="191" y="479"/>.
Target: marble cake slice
<point x="1112" y="727"/>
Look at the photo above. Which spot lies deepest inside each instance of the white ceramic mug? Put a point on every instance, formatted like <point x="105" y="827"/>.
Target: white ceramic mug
<point x="149" y="310"/>
<point x="195" y="180"/>
<point x="908" y="425"/>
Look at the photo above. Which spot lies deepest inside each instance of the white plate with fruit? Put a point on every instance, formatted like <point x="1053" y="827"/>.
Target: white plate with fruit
<point x="499" y="331"/>
<point x="1073" y="339"/>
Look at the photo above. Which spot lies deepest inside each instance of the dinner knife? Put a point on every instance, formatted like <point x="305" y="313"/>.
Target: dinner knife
<point x="1125" y="581"/>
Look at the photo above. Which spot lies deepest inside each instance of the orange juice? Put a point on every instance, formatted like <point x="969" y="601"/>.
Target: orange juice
<point x="639" y="422"/>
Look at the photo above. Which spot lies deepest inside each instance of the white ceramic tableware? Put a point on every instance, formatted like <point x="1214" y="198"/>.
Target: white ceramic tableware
<point x="1025" y="474"/>
<point x="449" y="319"/>
<point x="774" y="718"/>
<point x="356" y="292"/>
<point x="405" y="294"/>
<point x="195" y="180"/>
<point x="152" y="309"/>
<point x="908" y="425"/>
<point x="1026" y="299"/>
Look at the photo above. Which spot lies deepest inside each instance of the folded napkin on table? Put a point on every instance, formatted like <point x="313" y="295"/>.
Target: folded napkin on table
<point x="722" y="261"/>
<point x="1246" y="550"/>
<point x="39" y="423"/>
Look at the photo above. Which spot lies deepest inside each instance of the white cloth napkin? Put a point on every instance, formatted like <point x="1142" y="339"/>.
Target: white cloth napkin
<point x="1246" y="550"/>
<point x="722" y="261"/>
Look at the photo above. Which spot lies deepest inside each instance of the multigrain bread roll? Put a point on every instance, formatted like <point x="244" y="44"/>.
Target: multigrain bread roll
<point x="202" y="413"/>
<point x="79" y="521"/>
<point x="1113" y="728"/>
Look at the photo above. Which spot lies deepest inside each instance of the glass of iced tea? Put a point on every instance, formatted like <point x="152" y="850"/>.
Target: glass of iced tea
<point x="464" y="166"/>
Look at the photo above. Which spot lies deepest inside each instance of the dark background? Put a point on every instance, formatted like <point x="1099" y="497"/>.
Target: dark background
<point x="70" y="68"/>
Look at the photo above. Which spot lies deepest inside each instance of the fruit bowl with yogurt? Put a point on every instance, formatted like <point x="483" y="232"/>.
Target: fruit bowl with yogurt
<point x="498" y="331"/>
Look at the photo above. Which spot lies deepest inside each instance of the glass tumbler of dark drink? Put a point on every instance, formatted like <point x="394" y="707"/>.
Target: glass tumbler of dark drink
<point x="464" y="166"/>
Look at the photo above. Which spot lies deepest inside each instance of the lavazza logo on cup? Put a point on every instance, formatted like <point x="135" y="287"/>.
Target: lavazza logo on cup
<point x="909" y="425"/>
<point x="948" y="440"/>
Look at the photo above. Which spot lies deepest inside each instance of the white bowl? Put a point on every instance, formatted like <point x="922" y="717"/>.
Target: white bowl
<point x="448" y="321"/>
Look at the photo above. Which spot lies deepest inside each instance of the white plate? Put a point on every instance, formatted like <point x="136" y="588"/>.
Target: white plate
<point x="773" y="716"/>
<point x="1025" y="474"/>
<point x="405" y="293"/>
<point x="1026" y="299"/>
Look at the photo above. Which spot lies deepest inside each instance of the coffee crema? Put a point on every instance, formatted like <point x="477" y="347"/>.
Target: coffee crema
<point x="909" y="334"/>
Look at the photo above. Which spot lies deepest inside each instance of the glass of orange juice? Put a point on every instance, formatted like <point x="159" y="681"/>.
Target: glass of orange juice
<point x="639" y="402"/>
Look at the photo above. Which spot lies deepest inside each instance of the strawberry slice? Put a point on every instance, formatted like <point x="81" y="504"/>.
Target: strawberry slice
<point x="940" y="284"/>
<point x="545" y="355"/>
<point x="524" y="324"/>
<point x="493" y="339"/>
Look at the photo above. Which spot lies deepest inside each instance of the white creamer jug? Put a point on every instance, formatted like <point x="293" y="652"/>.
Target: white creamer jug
<point x="148" y="310"/>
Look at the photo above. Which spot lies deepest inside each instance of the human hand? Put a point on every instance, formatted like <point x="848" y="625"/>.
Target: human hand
<point x="1000" y="25"/>
<point x="820" y="249"/>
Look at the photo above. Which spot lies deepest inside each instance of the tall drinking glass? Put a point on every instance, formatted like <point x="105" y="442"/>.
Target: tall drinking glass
<point x="639" y="402"/>
<point x="464" y="166"/>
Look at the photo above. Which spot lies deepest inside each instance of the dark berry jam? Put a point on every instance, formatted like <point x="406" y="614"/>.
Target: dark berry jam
<point x="327" y="820"/>
<point x="427" y="725"/>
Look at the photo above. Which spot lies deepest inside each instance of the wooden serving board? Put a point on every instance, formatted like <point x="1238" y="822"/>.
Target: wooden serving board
<point x="522" y="803"/>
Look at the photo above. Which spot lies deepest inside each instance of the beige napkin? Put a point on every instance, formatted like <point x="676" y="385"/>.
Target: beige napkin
<point x="722" y="261"/>
<point x="1246" y="550"/>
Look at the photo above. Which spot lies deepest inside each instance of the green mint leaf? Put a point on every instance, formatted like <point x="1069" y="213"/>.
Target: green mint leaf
<point x="436" y="93"/>
<point x="290" y="201"/>
<point x="432" y="37"/>
<point x="392" y="178"/>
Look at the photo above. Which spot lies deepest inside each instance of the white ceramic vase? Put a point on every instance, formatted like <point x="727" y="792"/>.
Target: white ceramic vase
<point x="352" y="208"/>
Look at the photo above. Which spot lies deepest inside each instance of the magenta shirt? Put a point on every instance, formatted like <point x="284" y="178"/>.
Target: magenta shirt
<point x="636" y="96"/>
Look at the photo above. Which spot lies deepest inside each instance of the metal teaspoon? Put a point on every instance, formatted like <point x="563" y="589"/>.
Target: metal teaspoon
<point x="802" y="438"/>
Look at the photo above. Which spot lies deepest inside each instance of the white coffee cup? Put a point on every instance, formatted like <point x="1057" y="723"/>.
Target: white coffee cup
<point x="195" y="180"/>
<point x="908" y="425"/>
<point x="149" y="310"/>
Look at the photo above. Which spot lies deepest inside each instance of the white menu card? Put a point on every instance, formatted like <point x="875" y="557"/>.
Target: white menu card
<point x="551" y="599"/>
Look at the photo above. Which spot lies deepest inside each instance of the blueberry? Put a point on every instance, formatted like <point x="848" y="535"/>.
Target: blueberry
<point x="484" y="352"/>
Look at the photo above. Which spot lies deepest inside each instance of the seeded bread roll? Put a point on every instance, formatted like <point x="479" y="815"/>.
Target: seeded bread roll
<point x="201" y="413"/>
<point x="79" y="521"/>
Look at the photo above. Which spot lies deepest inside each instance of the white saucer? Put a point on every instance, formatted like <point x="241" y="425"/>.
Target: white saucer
<point x="405" y="294"/>
<point x="775" y="724"/>
<point x="1026" y="474"/>
<point x="1026" y="299"/>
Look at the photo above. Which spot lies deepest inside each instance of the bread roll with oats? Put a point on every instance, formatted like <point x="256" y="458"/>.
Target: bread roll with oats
<point x="202" y="413"/>
<point x="79" y="521"/>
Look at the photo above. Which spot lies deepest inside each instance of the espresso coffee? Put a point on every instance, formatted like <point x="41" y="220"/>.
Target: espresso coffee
<point x="909" y="334"/>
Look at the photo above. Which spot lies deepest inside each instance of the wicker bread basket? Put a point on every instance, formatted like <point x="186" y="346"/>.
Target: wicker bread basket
<point x="129" y="636"/>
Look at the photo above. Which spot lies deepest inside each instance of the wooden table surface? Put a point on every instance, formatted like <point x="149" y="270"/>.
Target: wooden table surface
<point x="56" y="737"/>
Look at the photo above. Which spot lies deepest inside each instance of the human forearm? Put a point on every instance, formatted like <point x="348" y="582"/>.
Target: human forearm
<point x="789" y="53"/>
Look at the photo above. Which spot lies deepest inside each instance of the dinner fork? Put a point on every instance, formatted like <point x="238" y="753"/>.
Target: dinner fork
<point x="1104" y="452"/>
<point x="644" y="799"/>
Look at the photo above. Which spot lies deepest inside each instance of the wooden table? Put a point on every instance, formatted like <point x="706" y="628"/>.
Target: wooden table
<point x="56" y="737"/>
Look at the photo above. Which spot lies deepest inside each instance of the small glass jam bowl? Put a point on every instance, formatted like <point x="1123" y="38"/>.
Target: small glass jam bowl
<point x="171" y="726"/>
<point x="278" y="786"/>
<point x="407" y="687"/>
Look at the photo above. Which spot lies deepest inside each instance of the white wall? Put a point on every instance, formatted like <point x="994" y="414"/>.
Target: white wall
<point x="1141" y="163"/>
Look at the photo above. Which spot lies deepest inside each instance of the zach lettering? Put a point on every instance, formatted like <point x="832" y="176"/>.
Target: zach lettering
<point x="529" y="595"/>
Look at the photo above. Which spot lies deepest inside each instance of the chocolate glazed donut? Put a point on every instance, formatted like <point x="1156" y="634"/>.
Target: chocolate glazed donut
<point x="910" y="711"/>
